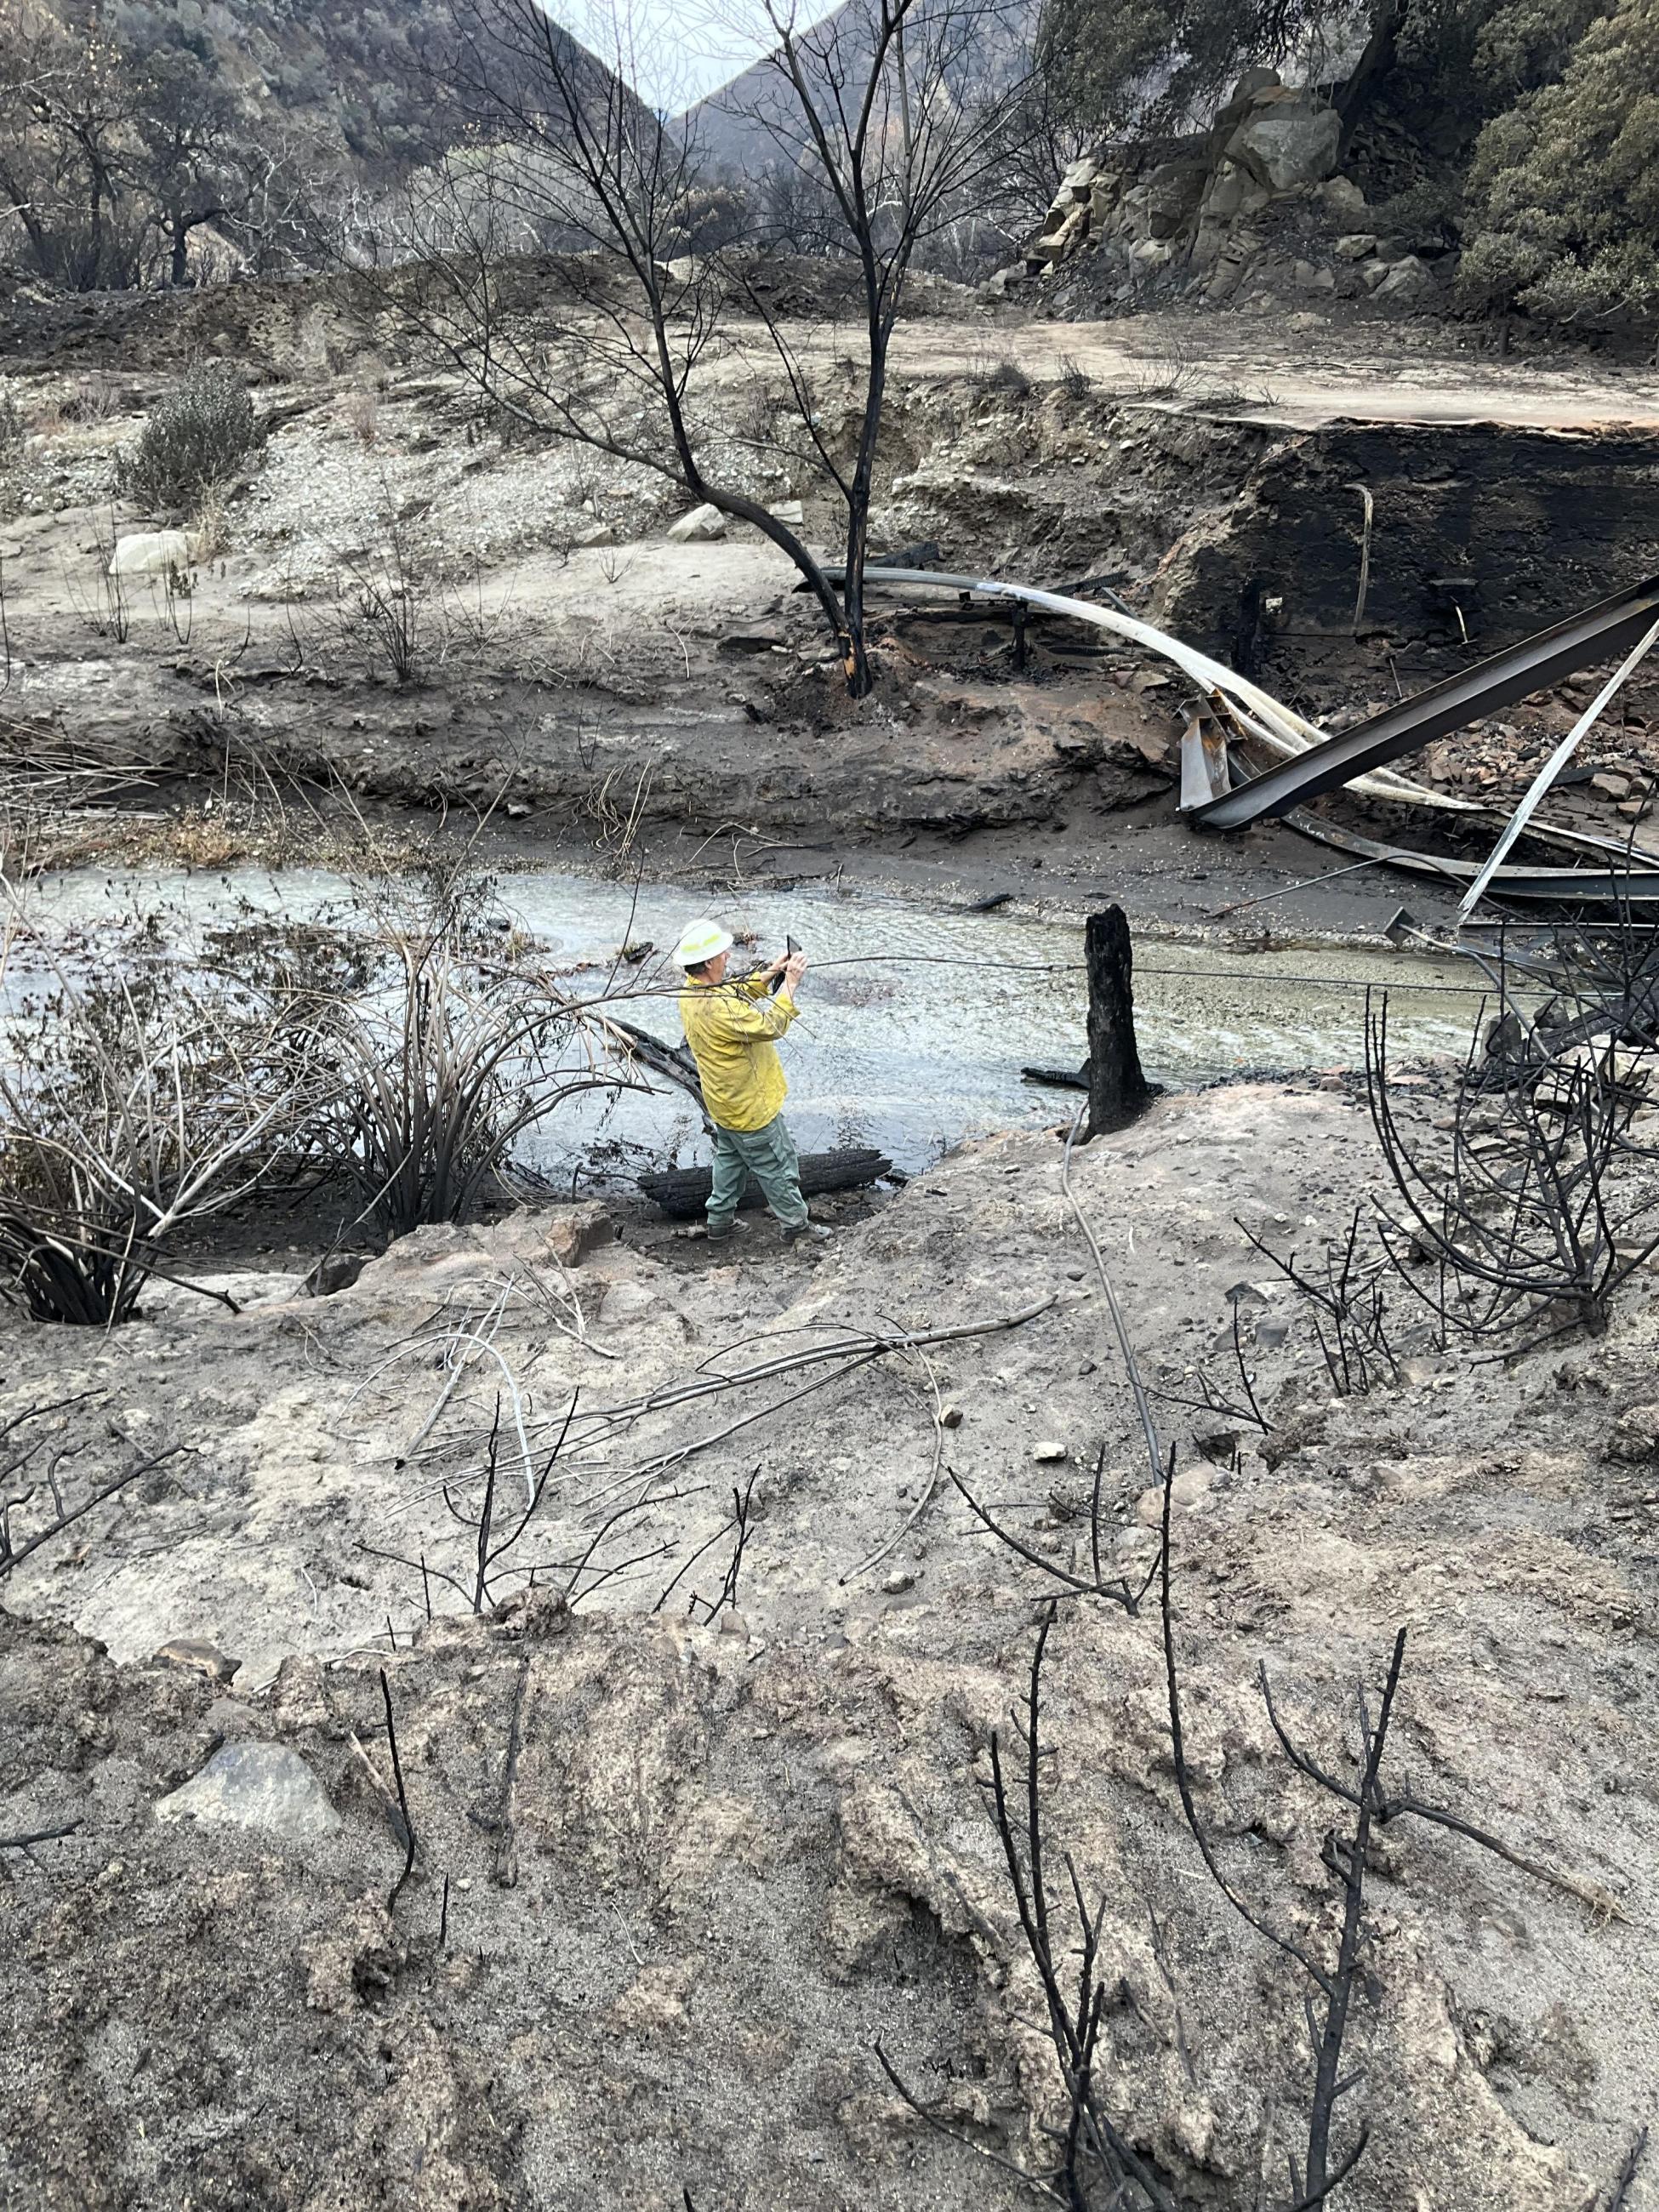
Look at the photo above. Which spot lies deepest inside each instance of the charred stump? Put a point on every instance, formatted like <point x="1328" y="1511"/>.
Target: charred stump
<point x="1118" y="1091"/>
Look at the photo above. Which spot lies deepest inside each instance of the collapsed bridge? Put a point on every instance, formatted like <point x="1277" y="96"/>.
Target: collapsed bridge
<point x="1241" y="722"/>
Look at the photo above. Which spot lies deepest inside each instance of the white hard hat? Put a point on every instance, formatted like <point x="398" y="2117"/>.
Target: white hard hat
<point x="701" y="941"/>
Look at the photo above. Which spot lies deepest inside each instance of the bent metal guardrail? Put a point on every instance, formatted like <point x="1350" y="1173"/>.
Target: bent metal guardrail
<point x="1312" y="762"/>
<point x="1581" y="642"/>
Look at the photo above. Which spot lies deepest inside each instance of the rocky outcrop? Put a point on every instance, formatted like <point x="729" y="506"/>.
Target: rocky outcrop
<point x="1196" y="216"/>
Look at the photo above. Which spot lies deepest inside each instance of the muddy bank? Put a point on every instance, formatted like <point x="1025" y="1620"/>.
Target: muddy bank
<point x="646" y="697"/>
<point x="680" y="704"/>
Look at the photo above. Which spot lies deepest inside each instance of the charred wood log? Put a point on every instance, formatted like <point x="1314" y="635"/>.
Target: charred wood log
<point x="683" y="1192"/>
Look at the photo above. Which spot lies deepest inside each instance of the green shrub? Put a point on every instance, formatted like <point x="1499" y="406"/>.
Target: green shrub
<point x="198" y="435"/>
<point x="1565" y="187"/>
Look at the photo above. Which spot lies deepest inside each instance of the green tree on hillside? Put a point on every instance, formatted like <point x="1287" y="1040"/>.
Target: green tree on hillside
<point x="1564" y="188"/>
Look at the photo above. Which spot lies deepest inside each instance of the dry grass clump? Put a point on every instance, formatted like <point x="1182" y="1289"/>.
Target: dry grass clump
<point x="360" y="411"/>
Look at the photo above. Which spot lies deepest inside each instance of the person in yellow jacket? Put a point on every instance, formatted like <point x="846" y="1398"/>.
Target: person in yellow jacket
<point x="732" y="1029"/>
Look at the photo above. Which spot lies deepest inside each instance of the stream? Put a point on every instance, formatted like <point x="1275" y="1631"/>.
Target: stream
<point x="916" y="1021"/>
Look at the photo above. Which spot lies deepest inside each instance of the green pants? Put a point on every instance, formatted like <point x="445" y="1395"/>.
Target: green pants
<point x="768" y="1155"/>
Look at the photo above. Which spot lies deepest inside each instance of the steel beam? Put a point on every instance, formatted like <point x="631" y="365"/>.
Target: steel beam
<point x="1612" y="626"/>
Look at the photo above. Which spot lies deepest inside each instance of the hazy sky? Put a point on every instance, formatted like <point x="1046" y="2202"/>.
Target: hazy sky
<point x="675" y="52"/>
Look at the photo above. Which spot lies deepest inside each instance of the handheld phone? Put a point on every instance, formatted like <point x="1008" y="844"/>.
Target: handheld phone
<point x="776" y="983"/>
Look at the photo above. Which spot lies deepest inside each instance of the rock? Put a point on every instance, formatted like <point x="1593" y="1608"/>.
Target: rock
<point x="334" y="1271"/>
<point x="1271" y="1333"/>
<point x="1173" y="191"/>
<point x="1048" y="1451"/>
<point x="192" y="1658"/>
<point x="1635" y="1437"/>
<point x="574" y="1231"/>
<point x="299" y="1704"/>
<point x="540" y="1613"/>
<point x="1224" y="197"/>
<point x="1374" y="273"/>
<point x="1062" y="237"/>
<point x="699" y="527"/>
<point x="789" y="512"/>
<point x="597" y="533"/>
<point x="951" y="1418"/>
<point x="1343" y="196"/>
<point x="1287" y="140"/>
<point x="255" y="1785"/>
<point x="1611" y="785"/>
<point x="1152" y="253"/>
<point x="733" y="1624"/>
<point x="1310" y="277"/>
<point x="1190" y="1488"/>
<point x="898" y="1582"/>
<point x="1356" y="246"/>
<point x="1406" y="279"/>
<point x="152" y="553"/>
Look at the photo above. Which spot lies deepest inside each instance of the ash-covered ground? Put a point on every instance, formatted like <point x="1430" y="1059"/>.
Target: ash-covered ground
<point x="678" y="1870"/>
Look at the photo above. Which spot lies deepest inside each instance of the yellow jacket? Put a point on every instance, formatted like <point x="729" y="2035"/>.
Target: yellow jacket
<point x="730" y="1027"/>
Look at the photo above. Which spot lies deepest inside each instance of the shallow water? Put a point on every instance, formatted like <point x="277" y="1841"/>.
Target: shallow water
<point x="914" y="1021"/>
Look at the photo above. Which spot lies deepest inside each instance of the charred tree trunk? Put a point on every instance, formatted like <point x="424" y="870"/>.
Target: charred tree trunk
<point x="1118" y="1091"/>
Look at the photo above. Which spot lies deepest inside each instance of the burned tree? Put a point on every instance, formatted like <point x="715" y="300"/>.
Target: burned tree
<point x="1118" y="1090"/>
<point x="890" y="109"/>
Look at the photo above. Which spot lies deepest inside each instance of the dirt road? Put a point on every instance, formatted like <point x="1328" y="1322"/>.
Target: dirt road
<point x="1306" y="378"/>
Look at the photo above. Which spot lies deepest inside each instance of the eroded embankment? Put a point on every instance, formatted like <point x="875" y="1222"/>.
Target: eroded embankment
<point x="568" y="662"/>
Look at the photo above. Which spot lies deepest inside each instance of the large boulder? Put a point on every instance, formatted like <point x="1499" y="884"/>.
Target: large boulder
<point x="152" y="553"/>
<point x="1288" y="140"/>
<point x="1408" y="279"/>
<point x="699" y="527"/>
<point x="1173" y="191"/>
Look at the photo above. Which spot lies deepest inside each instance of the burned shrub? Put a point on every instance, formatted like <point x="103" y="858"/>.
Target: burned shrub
<point x="428" y="1078"/>
<point x="1534" y="1209"/>
<point x="131" y="1105"/>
